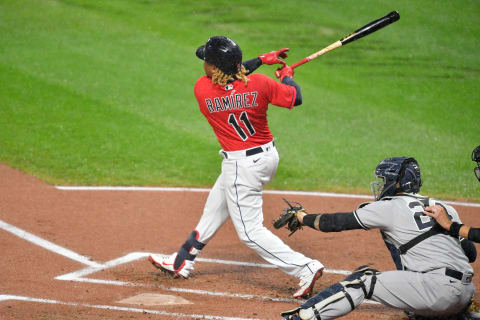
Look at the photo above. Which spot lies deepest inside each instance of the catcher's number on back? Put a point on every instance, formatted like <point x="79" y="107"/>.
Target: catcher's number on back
<point x="289" y="217"/>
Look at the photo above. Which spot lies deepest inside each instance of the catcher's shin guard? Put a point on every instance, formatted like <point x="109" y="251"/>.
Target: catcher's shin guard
<point x="189" y="250"/>
<point x="344" y="290"/>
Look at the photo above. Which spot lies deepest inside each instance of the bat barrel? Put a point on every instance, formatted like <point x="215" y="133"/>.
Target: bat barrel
<point x="371" y="27"/>
<point x="362" y="32"/>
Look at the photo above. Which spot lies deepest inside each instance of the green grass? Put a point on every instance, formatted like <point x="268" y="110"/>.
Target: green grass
<point x="101" y="92"/>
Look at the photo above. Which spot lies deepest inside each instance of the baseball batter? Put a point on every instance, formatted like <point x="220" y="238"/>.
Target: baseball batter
<point x="436" y="277"/>
<point x="235" y="104"/>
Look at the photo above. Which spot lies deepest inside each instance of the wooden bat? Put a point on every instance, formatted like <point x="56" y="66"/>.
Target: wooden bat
<point x="360" y="33"/>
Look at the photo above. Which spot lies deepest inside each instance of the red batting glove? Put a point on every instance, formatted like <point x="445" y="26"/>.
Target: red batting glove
<point x="273" y="57"/>
<point x="286" y="71"/>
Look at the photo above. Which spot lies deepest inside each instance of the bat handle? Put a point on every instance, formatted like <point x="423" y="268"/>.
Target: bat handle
<point x="293" y="66"/>
<point x="331" y="47"/>
<point x="299" y="63"/>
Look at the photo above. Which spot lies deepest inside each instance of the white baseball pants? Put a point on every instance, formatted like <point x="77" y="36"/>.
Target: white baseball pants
<point x="237" y="194"/>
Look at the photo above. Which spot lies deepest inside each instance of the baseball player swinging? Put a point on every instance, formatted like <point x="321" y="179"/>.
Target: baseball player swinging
<point x="435" y="277"/>
<point x="235" y="104"/>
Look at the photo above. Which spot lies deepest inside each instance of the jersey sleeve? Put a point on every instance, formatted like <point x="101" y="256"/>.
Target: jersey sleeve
<point x="280" y="95"/>
<point x="377" y="214"/>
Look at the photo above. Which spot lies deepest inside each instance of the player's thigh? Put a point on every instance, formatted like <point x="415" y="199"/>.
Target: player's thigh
<point x="243" y="193"/>
<point x="422" y="293"/>
<point x="215" y="212"/>
<point x="216" y="203"/>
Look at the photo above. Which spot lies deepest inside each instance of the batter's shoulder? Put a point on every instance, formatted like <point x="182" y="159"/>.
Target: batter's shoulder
<point x="203" y="80"/>
<point x="203" y="84"/>
<point x="259" y="76"/>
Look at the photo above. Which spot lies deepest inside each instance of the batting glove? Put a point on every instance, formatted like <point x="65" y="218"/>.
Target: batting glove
<point x="286" y="71"/>
<point x="274" y="57"/>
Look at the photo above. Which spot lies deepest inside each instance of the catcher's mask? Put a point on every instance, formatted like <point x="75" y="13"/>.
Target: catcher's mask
<point x="394" y="175"/>
<point x="223" y="53"/>
<point x="476" y="158"/>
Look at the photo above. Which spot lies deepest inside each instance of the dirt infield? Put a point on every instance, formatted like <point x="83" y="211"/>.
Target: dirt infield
<point x="79" y="254"/>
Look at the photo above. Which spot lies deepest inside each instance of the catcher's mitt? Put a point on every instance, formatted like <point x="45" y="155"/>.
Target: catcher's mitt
<point x="289" y="218"/>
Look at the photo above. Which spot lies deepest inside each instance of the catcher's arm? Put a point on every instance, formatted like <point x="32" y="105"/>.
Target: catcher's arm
<point x="295" y="217"/>
<point x="330" y="222"/>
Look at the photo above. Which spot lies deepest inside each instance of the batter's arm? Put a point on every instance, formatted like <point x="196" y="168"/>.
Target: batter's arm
<point x="289" y="82"/>
<point x="330" y="222"/>
<point x="252" y="65"/>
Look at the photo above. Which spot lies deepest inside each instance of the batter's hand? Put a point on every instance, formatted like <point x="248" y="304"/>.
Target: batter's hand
<point x="274" y="57"/>
<point x="286" y="71"/>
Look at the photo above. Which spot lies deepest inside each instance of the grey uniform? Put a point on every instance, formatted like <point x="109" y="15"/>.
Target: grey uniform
<point x="425" y="286"/>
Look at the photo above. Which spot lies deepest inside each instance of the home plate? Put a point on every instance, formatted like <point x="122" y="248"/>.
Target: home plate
<point x="154" y="299"/>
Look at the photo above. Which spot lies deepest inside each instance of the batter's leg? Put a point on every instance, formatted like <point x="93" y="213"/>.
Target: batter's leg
<point x="244" y="181"/>
<point x="214" y="215"/>
<point x="215" y="212"/>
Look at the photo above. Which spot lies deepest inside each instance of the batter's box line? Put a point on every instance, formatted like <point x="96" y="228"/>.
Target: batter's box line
<point x="93" y="266"/>
<point x="81" y="276"/>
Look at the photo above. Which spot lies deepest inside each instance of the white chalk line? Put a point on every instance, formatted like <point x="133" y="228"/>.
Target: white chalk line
<point x="117" y="308"/>
<point x="80" y="276"/>
<point x="93" y="267"/>
<point x="284" y="192"/>
<point x="47" y="244"/>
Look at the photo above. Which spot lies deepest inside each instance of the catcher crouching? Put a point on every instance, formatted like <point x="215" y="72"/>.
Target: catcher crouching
<point x="433" y="279"/>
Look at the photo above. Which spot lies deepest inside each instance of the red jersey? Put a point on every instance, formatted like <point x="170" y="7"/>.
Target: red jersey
<point x="238" y="113"/>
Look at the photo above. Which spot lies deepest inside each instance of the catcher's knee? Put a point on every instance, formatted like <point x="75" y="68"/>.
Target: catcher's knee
<point x="343" y="290"/>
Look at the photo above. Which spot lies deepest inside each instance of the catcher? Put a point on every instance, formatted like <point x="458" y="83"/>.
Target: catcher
<point x="435" y="279"/>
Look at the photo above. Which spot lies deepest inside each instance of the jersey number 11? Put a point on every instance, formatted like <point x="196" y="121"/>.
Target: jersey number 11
<point x="232" y="120"/>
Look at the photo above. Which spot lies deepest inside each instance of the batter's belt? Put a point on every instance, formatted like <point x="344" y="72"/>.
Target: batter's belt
<point x="240" y="154"/>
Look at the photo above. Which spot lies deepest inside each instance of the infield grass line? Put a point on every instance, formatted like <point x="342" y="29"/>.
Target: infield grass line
<point x="284" y="192"/>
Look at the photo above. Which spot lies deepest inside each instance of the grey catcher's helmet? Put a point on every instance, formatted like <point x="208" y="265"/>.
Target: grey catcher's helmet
<point x="394" y="175"/>
<point x="223" y="53"/>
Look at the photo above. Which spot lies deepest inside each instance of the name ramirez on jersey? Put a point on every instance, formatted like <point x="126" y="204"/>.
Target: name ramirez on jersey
<point x="232" y="101"/>
<point x="238" y="113"/>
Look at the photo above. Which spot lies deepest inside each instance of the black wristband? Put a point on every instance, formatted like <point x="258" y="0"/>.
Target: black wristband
<point x="309" y="220"/>
<point x="455" y="228"/>
<point x="474" y="234"/>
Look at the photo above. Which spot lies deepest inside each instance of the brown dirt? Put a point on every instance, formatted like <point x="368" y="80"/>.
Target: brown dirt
<point x="105" y="225"/>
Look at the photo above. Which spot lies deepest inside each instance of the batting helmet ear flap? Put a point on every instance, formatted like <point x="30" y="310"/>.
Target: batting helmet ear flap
<point x="200" y="53"/>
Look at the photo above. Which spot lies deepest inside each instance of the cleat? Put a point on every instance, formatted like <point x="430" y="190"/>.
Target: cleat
<point x="166" y="264"/>
<point x="308" y="281"/>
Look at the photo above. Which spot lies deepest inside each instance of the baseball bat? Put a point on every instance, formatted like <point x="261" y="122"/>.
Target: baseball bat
<point x="360" y="33"/>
